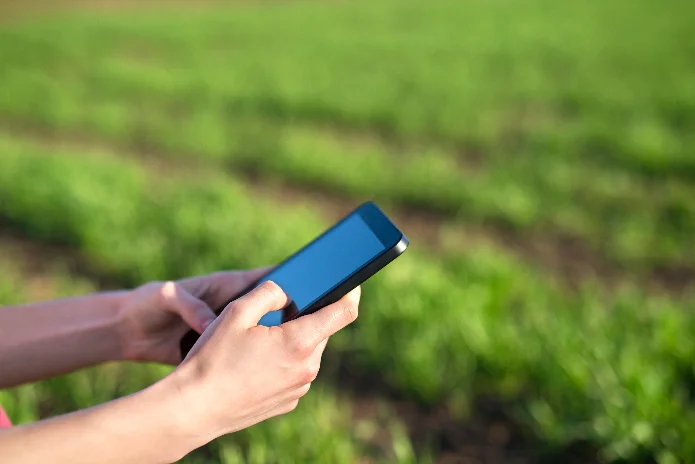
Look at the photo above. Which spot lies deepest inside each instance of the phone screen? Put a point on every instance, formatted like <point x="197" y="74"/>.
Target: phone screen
<point x="324" y="264"/>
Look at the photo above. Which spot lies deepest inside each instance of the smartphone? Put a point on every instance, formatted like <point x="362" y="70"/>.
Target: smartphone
<point x="329" y="267"/>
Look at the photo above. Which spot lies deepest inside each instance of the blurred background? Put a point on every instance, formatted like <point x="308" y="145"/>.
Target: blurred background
<point x="540" y="155"/>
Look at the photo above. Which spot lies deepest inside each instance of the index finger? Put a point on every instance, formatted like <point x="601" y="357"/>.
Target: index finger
<point x="250" y="308"/>
<point x="313" y="328"/>
<point x="230" y="283"/>
<point x="219" y="288"/>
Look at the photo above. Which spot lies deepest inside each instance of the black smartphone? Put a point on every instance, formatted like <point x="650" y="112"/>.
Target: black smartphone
<point x="329" y="267"/>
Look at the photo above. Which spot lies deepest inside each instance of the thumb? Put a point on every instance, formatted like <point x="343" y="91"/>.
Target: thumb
<point x="193" y="311"/>
<point x="250" y="308"/>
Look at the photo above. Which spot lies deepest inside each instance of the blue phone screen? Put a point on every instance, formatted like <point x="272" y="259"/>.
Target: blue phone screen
<point x="324" y="264"/>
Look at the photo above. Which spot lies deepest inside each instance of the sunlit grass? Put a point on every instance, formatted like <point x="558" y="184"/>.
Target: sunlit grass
<point x="610" y="369"/>
<point x="558" y="117"/>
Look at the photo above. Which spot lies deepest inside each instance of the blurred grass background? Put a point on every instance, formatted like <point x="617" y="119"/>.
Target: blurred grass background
<point x="540" y="155"/>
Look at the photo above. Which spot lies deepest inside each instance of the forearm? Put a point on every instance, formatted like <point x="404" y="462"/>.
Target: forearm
<point x="42" y="340"/>
<point x="146" y="427"/>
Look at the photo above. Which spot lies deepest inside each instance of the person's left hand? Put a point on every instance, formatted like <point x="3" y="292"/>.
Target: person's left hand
<point x="156" y="315"/>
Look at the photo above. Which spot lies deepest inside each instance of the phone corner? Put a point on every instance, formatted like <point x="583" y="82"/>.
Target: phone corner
<point x="402" y="244"/>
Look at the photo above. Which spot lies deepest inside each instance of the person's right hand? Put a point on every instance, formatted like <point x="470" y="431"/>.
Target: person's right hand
<point x="240" y="373"/>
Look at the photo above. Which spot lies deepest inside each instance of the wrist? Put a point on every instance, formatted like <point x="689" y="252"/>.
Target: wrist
<point x="120" y="301"/>
<point x="178" y="425"/>
<point x="187" y="406"/>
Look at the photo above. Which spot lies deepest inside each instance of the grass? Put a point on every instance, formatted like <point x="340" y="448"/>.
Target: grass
<point x="610" y="369"/>
<point x="555" y="118"/>
<point x="559" y="120"/>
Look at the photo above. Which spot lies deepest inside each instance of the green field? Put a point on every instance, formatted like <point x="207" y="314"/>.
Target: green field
<point x="541" y="157"/>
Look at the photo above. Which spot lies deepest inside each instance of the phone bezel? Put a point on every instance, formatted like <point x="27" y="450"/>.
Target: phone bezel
<point x="379" y="223"/>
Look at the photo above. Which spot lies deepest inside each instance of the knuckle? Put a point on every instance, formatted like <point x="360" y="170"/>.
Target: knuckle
<point x="235" y="305"/>
<point x="307" y="375"/>
<point x="166" y="291"/>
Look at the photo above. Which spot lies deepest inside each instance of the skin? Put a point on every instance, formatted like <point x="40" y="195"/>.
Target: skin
<point x="237" y="374"/>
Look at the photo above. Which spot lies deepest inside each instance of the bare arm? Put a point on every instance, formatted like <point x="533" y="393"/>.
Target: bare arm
<point x="140" y="428"/>
<point x="43" y="340"/>
<point x="237" y="374"/>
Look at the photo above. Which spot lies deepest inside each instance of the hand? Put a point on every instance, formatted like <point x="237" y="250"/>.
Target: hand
<point x="240" y="373"/>
<point x="155" y="316"/>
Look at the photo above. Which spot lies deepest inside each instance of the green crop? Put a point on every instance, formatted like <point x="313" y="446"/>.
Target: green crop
<point x="131" y="140"/>
<point x="610" y="369"/>
<point x="554" y="118"/>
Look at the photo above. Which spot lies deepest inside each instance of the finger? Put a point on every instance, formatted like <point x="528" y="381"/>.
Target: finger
<point x="253" y="275"/>
<point x="313" y="328"/>
<point x="219" y="288"/>
<point x="250" y="308"/>
<point x="230" y="283"/>
<point x="193" y="311"/>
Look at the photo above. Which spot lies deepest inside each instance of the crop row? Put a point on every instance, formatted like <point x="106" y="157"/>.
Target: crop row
<point x="567" y="119"/>
<point x="613" y="370"/>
